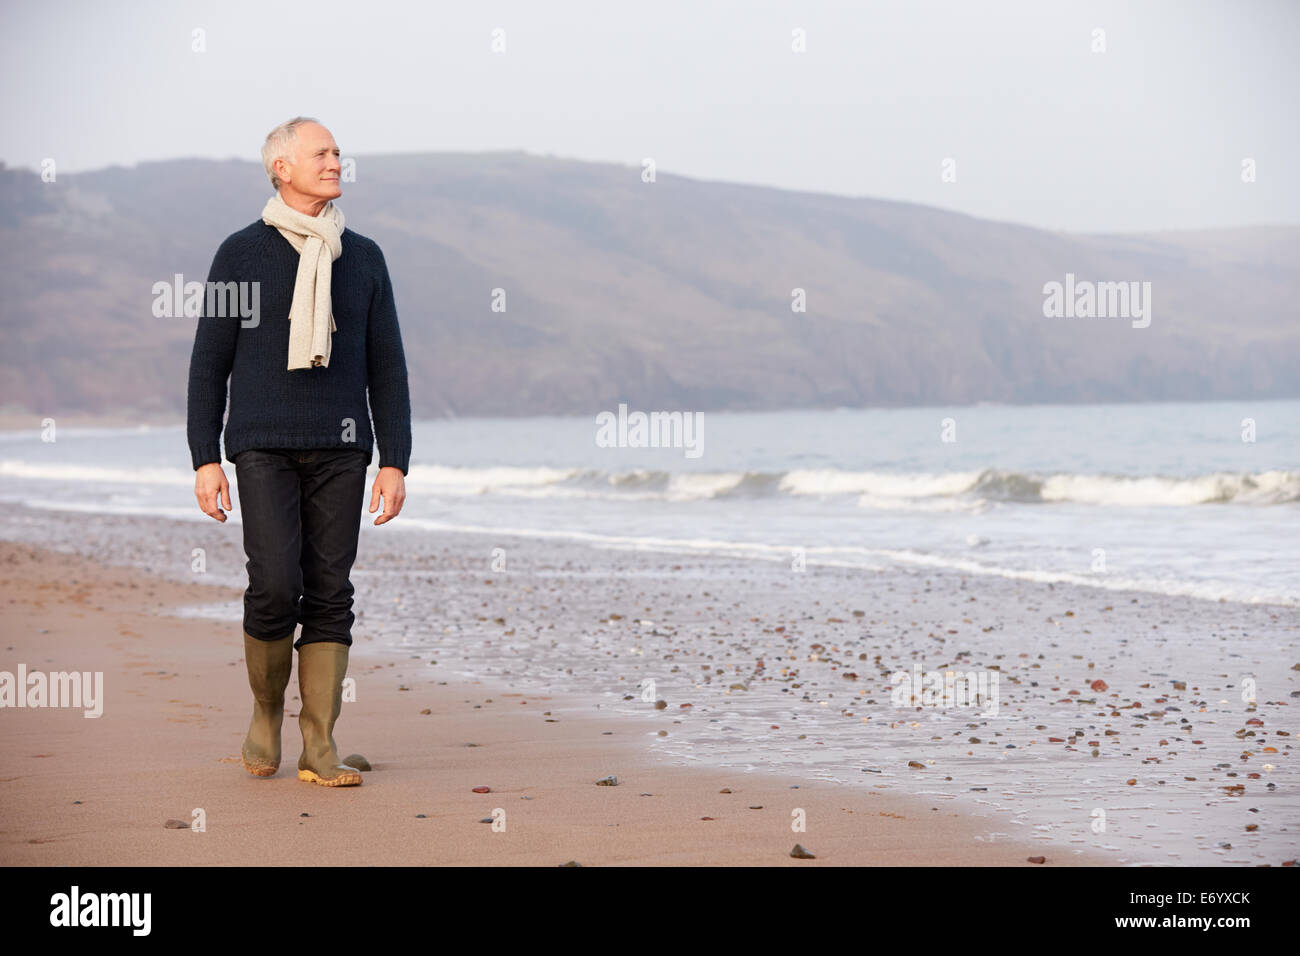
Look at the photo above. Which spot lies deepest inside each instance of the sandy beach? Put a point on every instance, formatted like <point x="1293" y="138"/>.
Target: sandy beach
<point x="1129" y="729"/>
<point x="99" y="791"/>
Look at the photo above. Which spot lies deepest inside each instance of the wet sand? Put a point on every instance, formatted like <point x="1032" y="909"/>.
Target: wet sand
<point x="1136" y="728"/>
<point x="99" y="791"/>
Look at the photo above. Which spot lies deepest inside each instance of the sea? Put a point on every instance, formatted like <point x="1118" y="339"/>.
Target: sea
<point x="1131" y="572"/>
<point x="1197" y="499"/>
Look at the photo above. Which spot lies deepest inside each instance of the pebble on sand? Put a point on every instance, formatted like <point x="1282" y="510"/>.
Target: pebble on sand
<point x="610" y="781"/>
<point x="799" y="853"/>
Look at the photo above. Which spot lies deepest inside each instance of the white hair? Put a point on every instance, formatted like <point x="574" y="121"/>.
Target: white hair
<point x="278" y="144"/>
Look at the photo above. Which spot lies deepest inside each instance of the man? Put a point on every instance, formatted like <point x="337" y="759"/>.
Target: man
<point x="324" y="333"/>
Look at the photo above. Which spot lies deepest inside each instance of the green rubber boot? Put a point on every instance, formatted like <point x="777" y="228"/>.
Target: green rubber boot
<point x="321" y="667"/>
<point x="269" y="664"/>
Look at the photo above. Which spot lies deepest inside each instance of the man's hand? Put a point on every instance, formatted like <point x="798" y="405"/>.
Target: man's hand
<point x="212" y="490"/>
<point x="390" y="483"/>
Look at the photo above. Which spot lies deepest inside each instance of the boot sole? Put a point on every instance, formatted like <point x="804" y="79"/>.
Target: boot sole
<point x="342" y="780"/>
<point x="258" y="770"/>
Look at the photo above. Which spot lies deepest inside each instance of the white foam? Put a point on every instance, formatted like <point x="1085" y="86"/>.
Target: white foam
<point x="904" y="491"/>
<point x="1270" y="487"/>
<point x="832" y="481"/>
<point x="95" y="474"/>
<point x="862" y="558"/>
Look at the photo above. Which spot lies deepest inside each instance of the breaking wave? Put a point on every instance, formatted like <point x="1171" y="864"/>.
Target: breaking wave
<point x="873" y="489"/>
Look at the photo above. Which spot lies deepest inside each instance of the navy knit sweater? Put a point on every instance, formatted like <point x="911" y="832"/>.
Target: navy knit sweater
<point x="272" y="407"/>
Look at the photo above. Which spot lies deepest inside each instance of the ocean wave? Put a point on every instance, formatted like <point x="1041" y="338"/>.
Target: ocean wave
<point x="96" y="474"/>
<point x="905" y="491"/>
<point x="911" y="491"/>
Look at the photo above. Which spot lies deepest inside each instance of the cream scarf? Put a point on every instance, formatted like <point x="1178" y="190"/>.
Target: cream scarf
<point x="311" y="317"/>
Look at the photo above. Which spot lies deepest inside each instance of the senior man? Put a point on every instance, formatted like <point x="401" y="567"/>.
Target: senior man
<point x="299" y="434"/>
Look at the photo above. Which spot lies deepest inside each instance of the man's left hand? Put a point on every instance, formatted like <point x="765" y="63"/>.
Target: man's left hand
<point x="390" y="484"/>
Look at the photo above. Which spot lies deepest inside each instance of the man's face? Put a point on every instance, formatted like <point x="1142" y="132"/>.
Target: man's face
<point x="314" y="172"/>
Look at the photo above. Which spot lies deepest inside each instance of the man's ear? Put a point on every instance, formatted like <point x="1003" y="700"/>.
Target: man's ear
<point x="282" y="170"/>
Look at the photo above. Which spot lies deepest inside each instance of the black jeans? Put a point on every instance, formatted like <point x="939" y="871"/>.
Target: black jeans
<point x="301" y="510"/>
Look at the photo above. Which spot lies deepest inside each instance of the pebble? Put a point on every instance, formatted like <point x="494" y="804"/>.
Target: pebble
<point x="905" y="617"/>
<point x="610" y="781"/>
<point x="799" y="853"/>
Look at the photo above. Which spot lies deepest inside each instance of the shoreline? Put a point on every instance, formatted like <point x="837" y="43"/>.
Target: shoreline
<point x="177" y="707"/>
<point x="1172" y="785"/>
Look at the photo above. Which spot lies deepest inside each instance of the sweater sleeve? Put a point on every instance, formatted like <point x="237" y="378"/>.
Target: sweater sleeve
<point x="390" y="399"/>
<point x="210" y="364"/>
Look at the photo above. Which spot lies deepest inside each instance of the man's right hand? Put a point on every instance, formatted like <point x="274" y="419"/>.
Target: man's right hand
<point x="212" y="490"/>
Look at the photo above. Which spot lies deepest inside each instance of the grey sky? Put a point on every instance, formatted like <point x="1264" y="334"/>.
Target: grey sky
<point x="1148" y="135"/>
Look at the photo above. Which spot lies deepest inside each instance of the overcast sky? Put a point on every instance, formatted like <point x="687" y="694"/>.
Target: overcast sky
<point x="1150" y="134"/>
